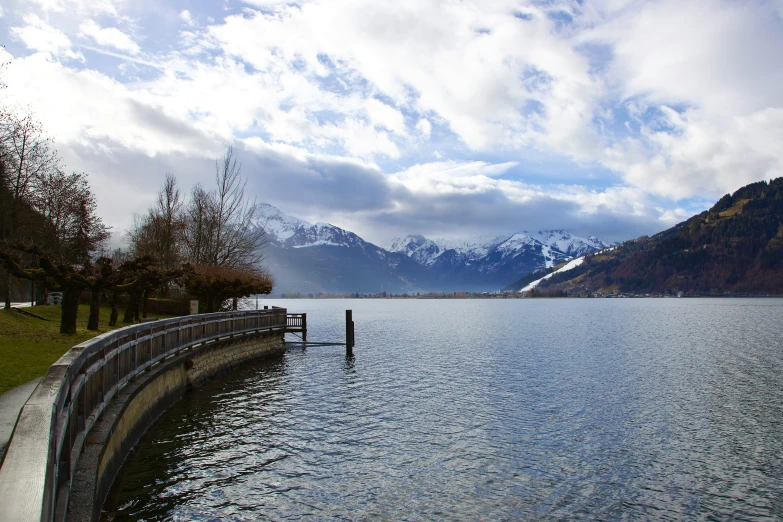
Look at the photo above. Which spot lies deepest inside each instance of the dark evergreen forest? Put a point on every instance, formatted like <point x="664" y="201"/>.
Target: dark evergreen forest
<point x="735" y="248"/>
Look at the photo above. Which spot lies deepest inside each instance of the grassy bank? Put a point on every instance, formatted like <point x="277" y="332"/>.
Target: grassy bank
<point x="28" y="346"/>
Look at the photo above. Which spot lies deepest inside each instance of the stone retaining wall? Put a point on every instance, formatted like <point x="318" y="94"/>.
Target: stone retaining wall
<point x="141" y="403"/>
<point x="220" y="357"/>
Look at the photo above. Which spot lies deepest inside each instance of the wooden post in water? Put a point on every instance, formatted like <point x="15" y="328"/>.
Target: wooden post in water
<point x="304" y="328"/>
<point x="349" y="333"/>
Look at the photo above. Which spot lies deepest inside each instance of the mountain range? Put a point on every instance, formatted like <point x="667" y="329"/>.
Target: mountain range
<point x="320" y="257"/>
<point x="734" y="248"/>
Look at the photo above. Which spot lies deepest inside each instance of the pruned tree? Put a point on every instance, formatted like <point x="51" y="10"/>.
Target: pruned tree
<point x="103" y="275"/>
<point x="72" y="234"/>
<point x="118" y="257"/>
<point x="67" y="278"/>
<point x="213" y="285"/>
<point x="138" y="277"/>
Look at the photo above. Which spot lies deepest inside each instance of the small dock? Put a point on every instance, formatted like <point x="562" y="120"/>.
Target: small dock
<point x="297" y="324"/>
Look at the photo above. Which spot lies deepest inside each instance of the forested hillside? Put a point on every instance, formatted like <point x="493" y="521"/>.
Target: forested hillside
<point x="735" y="248"/>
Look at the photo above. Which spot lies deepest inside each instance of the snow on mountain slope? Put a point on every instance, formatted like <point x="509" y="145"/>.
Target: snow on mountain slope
<point x="568" y="266"/>
<point x="327" y="257"/>
<point x="555" y="246"/>
<point x="324" y="234"/>
<point x="569" y="244"/>
<point x="422" y="250"/>
<point x="276" y="224"/>
<point x="295" y="233"/>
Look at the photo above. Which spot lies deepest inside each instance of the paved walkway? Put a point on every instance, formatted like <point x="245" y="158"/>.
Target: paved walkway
<point x="11" y="403"/>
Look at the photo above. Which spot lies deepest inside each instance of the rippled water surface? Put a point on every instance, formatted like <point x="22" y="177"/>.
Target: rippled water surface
<point x="484" y="409"/>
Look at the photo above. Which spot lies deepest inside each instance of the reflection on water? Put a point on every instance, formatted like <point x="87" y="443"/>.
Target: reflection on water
<point x="523" y="409"/>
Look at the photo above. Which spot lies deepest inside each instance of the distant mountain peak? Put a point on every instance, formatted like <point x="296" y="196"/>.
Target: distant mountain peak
<point x="278" y="225"/>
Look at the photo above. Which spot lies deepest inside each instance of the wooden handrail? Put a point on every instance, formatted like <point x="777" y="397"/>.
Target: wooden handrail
<point x="36" y="475"/>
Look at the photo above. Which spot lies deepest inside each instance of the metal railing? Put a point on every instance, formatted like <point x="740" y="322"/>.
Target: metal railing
<point x="36" y="475"/>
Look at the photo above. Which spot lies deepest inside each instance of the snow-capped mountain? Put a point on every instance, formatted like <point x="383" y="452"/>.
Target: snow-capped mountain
<point x="292" y="232"/>
<point x="322" y="257"/>
<point x="277" y="225"/>
<point x="555" y="246"/>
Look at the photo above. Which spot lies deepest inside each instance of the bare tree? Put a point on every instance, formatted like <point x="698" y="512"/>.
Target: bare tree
<point x="25" y="155"/>
<point x="159" y="234"/>
<point x="199" y="226"/>
<point x="220" y="229"/>
<point x="74" y="232"/>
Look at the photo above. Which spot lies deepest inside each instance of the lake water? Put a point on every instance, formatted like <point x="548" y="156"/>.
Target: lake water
<point x="484" y="410"/>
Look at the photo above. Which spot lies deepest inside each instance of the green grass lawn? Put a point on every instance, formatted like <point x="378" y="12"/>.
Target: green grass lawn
<point x="28" y="346"/>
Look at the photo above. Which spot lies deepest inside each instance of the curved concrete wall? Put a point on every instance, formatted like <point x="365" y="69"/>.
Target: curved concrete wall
<point x="141" y="403"/>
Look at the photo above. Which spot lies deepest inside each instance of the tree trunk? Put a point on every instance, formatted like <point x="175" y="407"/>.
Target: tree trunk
<point x="234" y="304"/>
<point x="7" y="295"/>
<point x="95" y="309"/>
<point x="144" y="299"/>
<point x="133" y="304"/>
<point x="70" y="310"/>
<point x="115" y="311"/>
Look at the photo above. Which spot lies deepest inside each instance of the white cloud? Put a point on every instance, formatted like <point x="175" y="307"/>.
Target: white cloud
<point x="108" y="36"/>
<point x="363" y="140"/>
<point x="102" y="113"/>
<point x="676" y="99"/>
<point x="381" y="115"/>
<point x="50" y="5"/>
<point x="82" y="7"/>
<point x="40" y="36"/>
<point x="187" y="18"/>
<point x="424" y="127"/>
<point x="719" y="61"/>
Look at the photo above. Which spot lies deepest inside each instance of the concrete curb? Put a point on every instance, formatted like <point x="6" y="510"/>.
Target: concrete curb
<point x="11" y="403"/>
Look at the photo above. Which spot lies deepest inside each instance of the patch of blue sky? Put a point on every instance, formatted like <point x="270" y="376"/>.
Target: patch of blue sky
<point x="343" y="84"/>
<point x="619" y="120"/>
<point x="561" y="18"/>
<point x="659" y="119"/>
<point x="256" y="130"/>
<point x="615" y="121"/>
<point x="532" y="167"/>
<point x="523" y="16"/>
<point x="535" y="79"/>
<point x="599" y="56"/>
<point x="326" y="117"/>
<point x="696" y="204"/>
<point x="117" y="64"/>
<point x="540" y="168"/>
<point x="12" y="45"/>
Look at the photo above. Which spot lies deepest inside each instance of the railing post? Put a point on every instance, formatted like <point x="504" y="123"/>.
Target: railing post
<point x="304" y="328"/>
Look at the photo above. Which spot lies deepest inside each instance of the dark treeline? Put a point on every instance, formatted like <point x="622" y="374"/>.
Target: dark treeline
<point x="203" y="246"/>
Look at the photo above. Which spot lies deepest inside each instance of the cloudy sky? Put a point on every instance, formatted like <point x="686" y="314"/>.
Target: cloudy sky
<point x="615" y="118"/>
